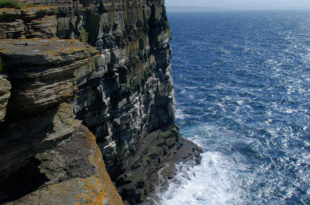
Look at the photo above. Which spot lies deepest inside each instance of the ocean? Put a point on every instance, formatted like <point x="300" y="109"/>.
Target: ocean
<point x="242" y="88"/>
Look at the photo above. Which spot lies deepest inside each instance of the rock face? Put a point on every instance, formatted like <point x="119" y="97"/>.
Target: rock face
<point x="28" y="22"/>
<point x="117" y="81"/>
<point x="5" y="87"/>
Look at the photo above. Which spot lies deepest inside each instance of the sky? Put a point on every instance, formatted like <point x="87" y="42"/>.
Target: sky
<point x="241" y="4"/>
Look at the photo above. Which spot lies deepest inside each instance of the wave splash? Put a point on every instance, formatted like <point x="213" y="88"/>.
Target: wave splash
<point x="214" y="181"/>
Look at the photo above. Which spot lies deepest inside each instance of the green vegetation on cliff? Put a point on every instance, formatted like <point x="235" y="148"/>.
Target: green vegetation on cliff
<point x="8" y="4"/>
<point x="14" y="4"/>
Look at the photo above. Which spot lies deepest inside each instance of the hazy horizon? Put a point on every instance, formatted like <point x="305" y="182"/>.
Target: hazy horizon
<point x="239" y="4"/>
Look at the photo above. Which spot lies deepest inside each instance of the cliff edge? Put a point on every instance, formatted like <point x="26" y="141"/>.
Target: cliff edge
<point x="72" y="68"/>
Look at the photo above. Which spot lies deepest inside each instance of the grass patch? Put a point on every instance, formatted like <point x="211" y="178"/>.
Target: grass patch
<point x="9" y="4"/>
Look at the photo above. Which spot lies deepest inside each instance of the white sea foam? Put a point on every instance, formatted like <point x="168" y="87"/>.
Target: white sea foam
<point x="216" y="181"/>
<point x="179" y="114"/>
<point x="212" y="182"/>
<point x="240" y="102"/>
<point x="289" y="111"/>
<point x="183" y="91"/>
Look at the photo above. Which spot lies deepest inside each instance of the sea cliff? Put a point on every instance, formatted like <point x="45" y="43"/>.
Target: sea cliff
<point x="86" y="97"/>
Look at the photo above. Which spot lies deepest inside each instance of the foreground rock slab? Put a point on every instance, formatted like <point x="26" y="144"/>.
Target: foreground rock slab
<point x="74" y="173"/>
<point x="44" y="72"/>
<point x="44" y="52"/>
<point x="46" y="155"/>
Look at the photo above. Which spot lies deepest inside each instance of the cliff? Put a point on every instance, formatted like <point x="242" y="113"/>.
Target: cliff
<point x="72" y="68"/>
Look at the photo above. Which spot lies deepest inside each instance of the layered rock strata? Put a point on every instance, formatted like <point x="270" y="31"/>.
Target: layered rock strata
<point x="28" y="22"/>
<point x="122" y="91"/>
<point x="46" y="155"/>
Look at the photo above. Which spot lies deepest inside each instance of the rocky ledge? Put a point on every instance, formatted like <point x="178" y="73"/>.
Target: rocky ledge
<point x="101" y="67"/>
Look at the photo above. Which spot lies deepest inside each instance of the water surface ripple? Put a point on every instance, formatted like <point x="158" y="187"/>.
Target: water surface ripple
<point x="242" y="86"/>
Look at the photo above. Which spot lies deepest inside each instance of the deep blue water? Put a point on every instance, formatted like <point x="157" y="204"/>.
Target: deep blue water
<point x="242" y="88"/>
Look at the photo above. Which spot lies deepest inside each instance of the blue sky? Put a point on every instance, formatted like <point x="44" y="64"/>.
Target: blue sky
<point x="242" y="4"/>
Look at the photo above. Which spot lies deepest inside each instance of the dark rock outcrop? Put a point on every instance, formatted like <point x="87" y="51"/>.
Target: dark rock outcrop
<point x="122" y="92"/>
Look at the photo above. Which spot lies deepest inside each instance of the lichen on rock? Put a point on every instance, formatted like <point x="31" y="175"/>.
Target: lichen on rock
<point x="72" y="178"/>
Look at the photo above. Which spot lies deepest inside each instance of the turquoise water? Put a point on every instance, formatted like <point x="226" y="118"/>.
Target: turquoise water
<point x="242" y="87"/>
